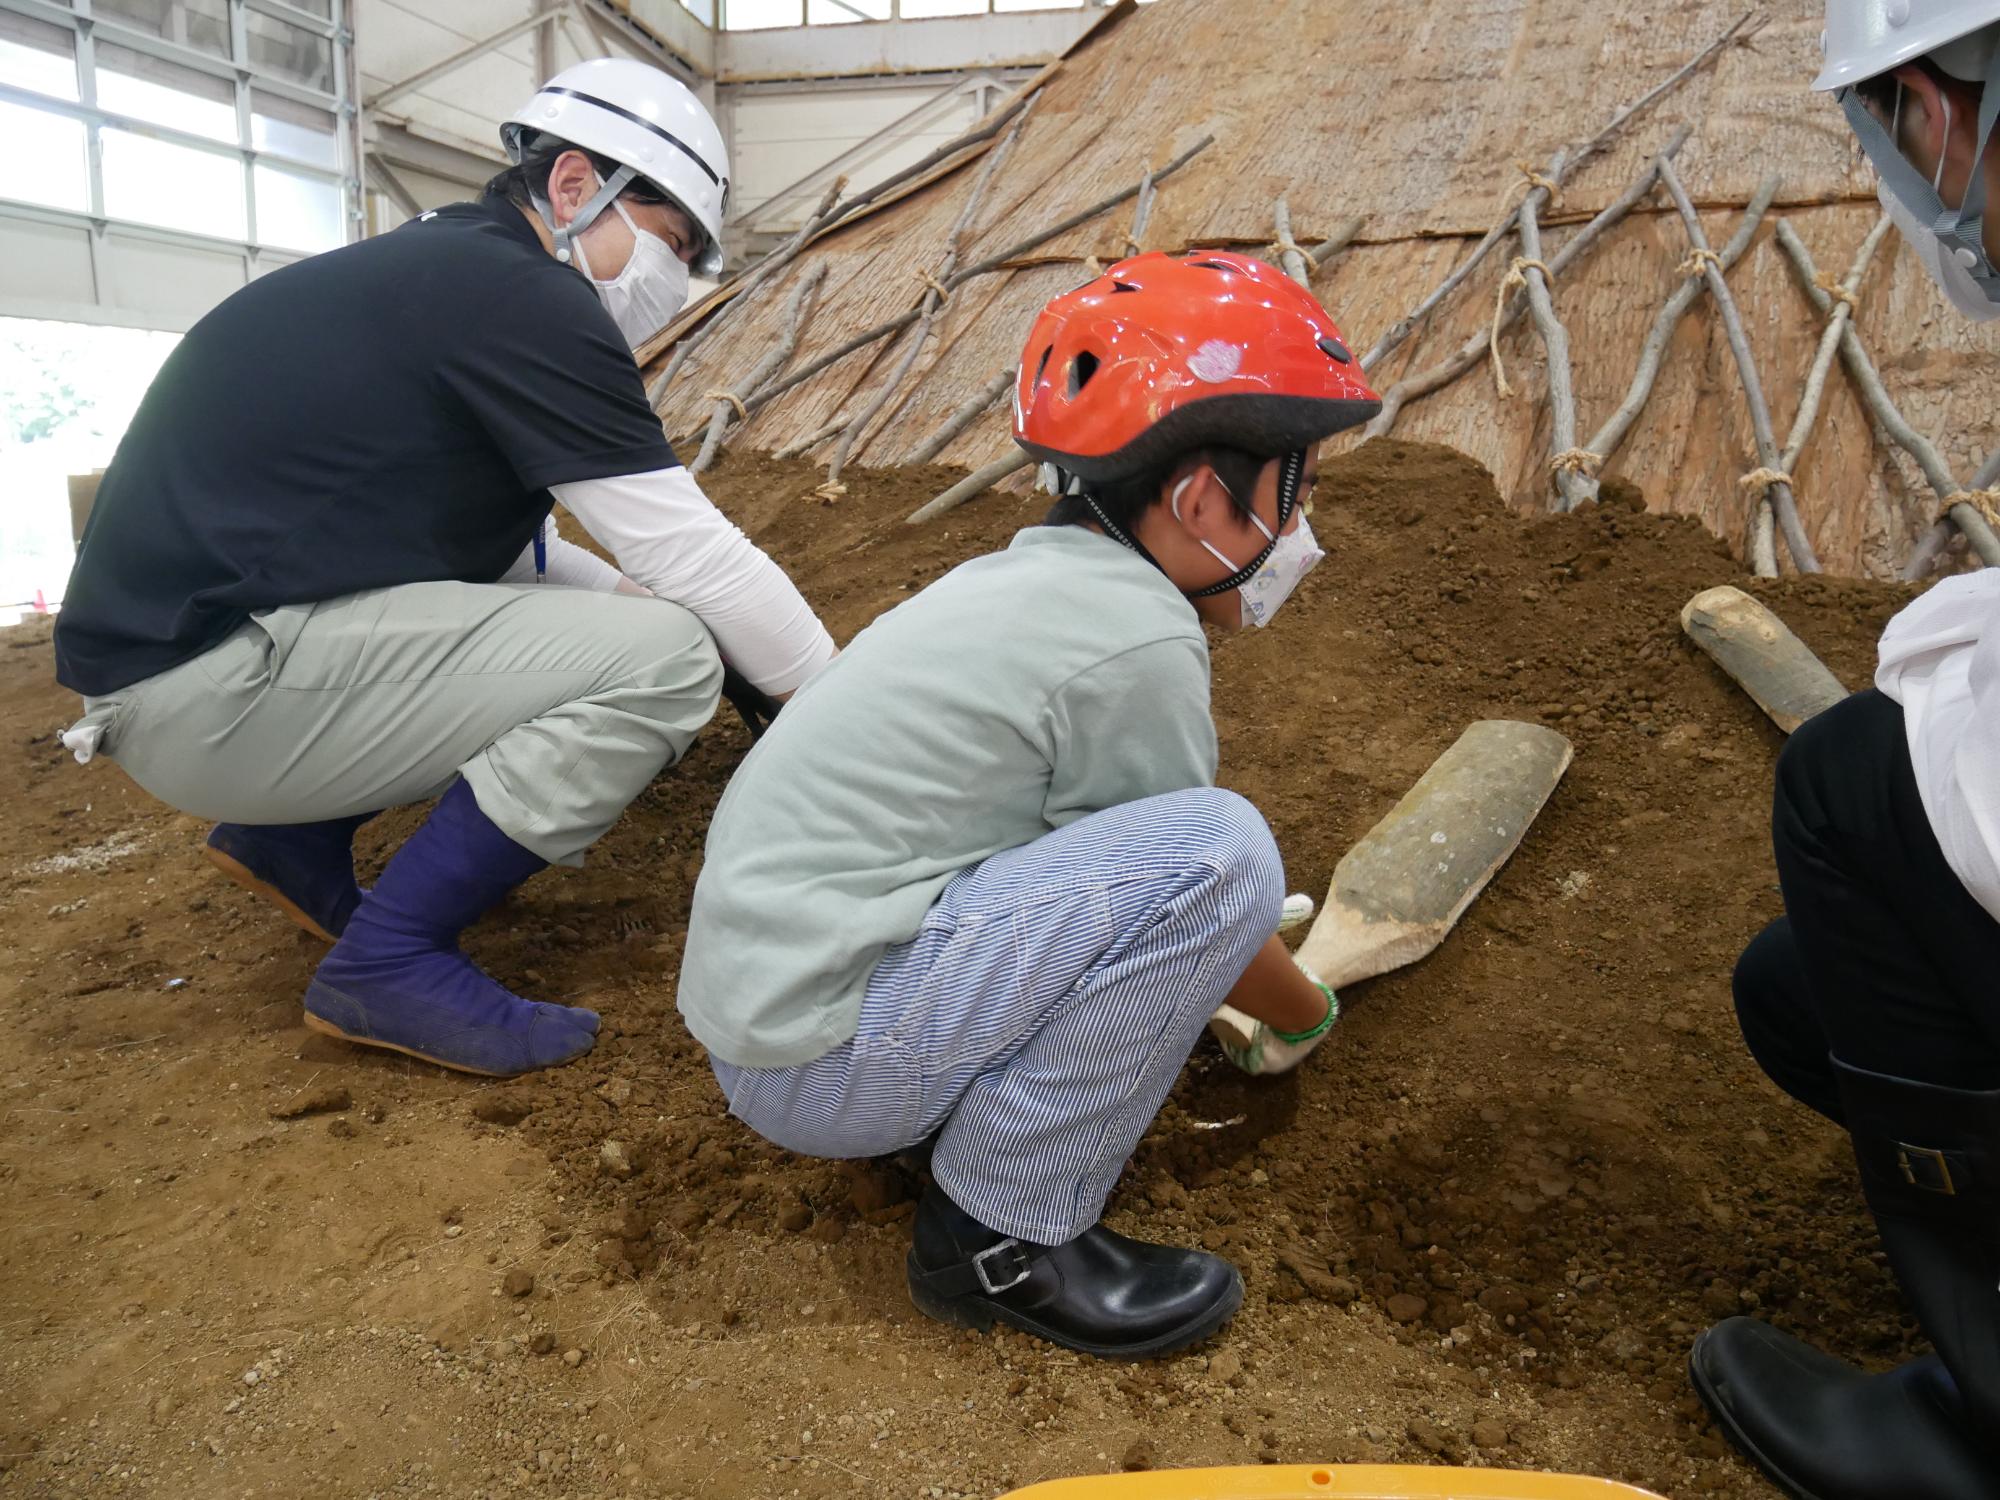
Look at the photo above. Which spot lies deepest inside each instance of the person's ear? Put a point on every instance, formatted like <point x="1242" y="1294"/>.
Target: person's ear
<point x="1921" y="119"/>
<point x="1205" y="507"/>
<point x="572" y="181"/>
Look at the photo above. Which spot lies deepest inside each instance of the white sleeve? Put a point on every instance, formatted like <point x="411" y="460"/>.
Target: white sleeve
<point x="569" y="566"/>
<point x="670" y="539"/>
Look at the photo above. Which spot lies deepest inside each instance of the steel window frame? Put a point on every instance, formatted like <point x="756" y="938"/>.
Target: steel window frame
<point x="246" y="80"/>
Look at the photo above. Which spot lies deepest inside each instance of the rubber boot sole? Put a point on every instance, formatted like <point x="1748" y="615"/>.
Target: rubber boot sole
<point x="242" y="874"/>
<point x="1740" y="1440"/>
<point x="327" y="1028"/>
<point x="981" y="1315"/>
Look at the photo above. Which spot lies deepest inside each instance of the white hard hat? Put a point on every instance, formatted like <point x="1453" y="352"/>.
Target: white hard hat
<point x="642" y="119"/>
<point x="1866" y="38"/>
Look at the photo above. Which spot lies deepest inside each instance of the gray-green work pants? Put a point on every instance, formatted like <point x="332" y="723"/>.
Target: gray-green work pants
<point x="557" y="705"/>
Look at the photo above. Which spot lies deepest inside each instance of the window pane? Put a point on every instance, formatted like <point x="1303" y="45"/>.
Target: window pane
<point x="295" y="130"/>
<point x="181" y="187"/>
<point x="1036" y="4"/>
<point x="760" y="15"/>
<point x="164" y="93"/>
<point x="702" y="10"/>
<point x="44" y="160"/>
<point x="914" y="10"/>
<point x="300" y="213"/>
<point x="285" y="51"/>
<point x="321" y="8"/>
<point x="833" y="12"/>
<point x="36" y="55"/>
<point x="200" y="24"/>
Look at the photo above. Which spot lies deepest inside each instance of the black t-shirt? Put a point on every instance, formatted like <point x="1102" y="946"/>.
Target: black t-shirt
<point x="390" y="412"/>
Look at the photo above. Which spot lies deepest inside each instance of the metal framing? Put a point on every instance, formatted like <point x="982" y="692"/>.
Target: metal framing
<point x="86" y="27"/>
<point x="981" y="8"/>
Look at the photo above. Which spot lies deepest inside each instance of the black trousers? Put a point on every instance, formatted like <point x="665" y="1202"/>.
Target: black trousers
<point x="1882" y="958"/>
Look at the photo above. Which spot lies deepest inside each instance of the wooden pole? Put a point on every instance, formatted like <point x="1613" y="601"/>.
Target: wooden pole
<point x="1290" y="256"/>
<point x="775" y="360"/>
<point x="1779" y="485"/>
<point x="958" y="279"/>
<point x="1868" y="380"/>
<point x="931" y="301"/>
<point x="1561" y="165"/>
<point x="1763" y="547"/>
<point x="1652" y="353"/>
<point x="1468" y="354"/>
<point x="963" y="418"/>
<point x="976" y="483"/>
<point x="1570" y="484"/>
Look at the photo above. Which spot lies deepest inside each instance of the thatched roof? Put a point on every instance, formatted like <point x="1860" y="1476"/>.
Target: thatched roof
<point x="1415" y="116"/>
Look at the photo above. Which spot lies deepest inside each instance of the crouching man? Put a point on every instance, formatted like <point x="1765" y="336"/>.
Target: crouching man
<point x="977" y="883"/>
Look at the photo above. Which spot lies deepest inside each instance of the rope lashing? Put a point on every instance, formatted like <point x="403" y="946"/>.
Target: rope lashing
<point x="1575" y="461"/>
<point x="1698" y="261"/>
<point x="1288" y="246"/>
<point x="1133" y="247"/>
<point x="1531" y="179"/>
<point x="1759" y="480"/>
<point x="829" y="494"/>
<point x="930" y="281"/>
<point x="1986" y="502"/>
<point x="1515" y="280"/>
<point x="1839" y="293"/>
<point x="742" y="415"/>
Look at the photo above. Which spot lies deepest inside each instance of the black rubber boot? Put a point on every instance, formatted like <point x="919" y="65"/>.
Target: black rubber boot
<point x="1100" y="1294"/>
<point x="1823" y="1429"/>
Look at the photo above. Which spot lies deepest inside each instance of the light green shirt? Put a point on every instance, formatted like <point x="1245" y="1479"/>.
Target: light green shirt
<point x="1020" y="692"/>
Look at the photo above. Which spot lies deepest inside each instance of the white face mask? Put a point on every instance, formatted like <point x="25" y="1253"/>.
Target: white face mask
<point x="1294" y="555"/>
<point x="644" y="297"/>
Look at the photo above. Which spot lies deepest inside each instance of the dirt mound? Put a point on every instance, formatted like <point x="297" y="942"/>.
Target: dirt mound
<point x="1482" y="1226"/>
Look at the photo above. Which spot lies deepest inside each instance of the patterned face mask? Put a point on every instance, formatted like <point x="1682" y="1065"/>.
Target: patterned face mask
<point x="1267" y="580"/>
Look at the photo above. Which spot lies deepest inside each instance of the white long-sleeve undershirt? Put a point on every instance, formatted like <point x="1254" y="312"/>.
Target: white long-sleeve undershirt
<point x="568" y="565"/>
<point x="669" y="538"/>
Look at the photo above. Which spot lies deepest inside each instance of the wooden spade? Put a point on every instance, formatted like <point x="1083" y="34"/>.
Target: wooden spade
<point x="1397" y="893"/>
<point x="1759" y="650"/>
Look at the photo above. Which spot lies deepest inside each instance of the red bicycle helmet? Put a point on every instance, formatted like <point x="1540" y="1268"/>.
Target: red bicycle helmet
<point x="1163" y="354"/>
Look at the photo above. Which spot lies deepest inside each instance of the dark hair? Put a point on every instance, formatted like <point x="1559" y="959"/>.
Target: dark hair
<point x="520" y="183"/>
<point x="1879" y="92"/>
<point x="1125" y="500"/>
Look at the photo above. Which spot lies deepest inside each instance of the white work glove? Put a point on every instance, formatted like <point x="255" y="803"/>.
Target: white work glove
<point x="1269" y="1050"/>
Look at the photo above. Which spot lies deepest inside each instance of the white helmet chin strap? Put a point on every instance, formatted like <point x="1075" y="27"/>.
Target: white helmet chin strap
<point x="1949" y="240"/>
<point x="586" y="216"/>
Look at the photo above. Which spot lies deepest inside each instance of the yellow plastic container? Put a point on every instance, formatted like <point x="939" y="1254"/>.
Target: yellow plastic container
<point x="1332" y="1482"/>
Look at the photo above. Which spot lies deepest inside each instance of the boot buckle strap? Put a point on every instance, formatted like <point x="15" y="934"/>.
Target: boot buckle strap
<point x="1926" y="1170"/>
<point x="1002" y="1267"/>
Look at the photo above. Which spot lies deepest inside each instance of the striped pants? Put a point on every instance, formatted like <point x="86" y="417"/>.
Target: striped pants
<point x="1040" y="1015"/>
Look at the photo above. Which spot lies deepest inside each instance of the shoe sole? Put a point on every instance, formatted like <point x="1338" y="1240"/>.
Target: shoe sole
<point x="981" y="1315"/>
<point x="327" y="1028"/>
<point x="1740" y="1440"/>
<point x="242" y="874"/>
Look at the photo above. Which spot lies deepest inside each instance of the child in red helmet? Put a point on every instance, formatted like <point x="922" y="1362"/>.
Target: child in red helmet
<point x="977" y="885"/>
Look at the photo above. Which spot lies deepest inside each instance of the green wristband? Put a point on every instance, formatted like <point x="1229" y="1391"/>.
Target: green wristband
<point x="1326" y="1025"/>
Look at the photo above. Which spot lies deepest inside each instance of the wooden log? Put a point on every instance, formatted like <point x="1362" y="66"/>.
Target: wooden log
<point x="1290" y="257"/>
<point x="976" y="483"/>
<point x="1397" y="893"/>
<point x="1779" y="488"/>
<point x="1754" y="646"/>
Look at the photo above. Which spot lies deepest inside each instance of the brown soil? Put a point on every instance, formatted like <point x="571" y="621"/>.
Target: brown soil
<point x="1481" y="1226"/>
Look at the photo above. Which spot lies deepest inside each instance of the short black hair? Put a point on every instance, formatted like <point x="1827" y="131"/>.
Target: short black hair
<point x="522" y="182"/>
<point x="1125" y="500"/>
<point x="1879" y="92"/>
